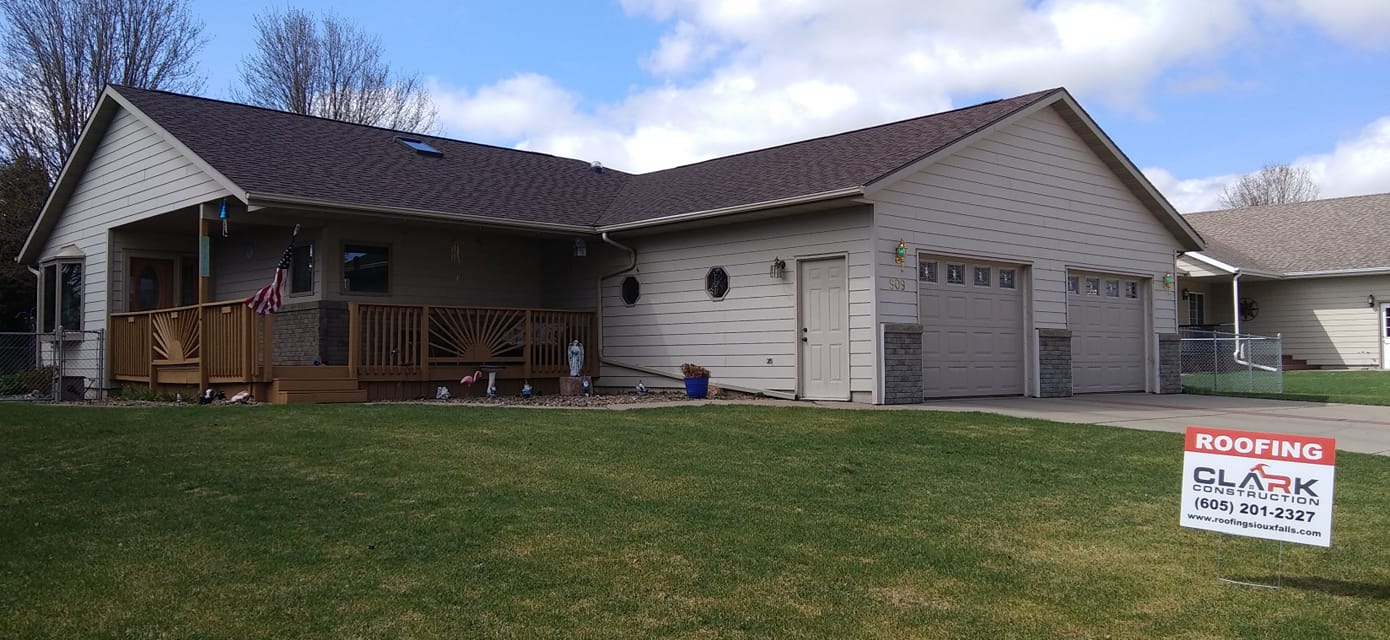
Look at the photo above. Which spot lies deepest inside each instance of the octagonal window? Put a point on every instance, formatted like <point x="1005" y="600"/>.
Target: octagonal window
<point x="717" y="283"/>
<point x="631" y="290"/>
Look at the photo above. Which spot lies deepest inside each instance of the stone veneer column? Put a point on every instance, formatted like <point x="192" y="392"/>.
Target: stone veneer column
<point x="902" y="363"/>
<point x="1054" y="363"/>
<point x="1169" y="363"/>
<point x="309" y="331"/>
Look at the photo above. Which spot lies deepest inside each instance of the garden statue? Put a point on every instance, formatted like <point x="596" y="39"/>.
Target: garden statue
<point x="576" y="356"/>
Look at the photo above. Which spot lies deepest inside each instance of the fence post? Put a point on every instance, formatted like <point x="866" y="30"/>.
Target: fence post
<point x="1215" y="363"/>
<point x="101" y="363"/>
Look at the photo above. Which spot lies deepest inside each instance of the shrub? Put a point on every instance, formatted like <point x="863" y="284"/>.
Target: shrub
<point x="34" y="380"/>
<point x="694" y="371"/>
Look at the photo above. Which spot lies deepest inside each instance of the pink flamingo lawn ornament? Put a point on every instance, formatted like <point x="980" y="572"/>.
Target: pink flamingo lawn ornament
<point x="469" y="380"/>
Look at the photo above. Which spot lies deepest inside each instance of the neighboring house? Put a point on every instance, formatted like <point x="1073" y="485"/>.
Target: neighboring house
<point x="1010" y="244"/>
<point x="1317" y="273"/>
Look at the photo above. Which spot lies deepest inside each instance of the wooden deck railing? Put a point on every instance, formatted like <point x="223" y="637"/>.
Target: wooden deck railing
<point x="407" y="342"/>
<point x="218" y="342"/>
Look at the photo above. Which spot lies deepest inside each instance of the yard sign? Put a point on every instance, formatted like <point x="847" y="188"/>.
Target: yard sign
<point x="1260" y="485"/>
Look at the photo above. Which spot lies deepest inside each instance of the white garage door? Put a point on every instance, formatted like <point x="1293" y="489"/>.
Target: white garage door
<point x="972" y="327"/>
<point x="1106" y="317"/>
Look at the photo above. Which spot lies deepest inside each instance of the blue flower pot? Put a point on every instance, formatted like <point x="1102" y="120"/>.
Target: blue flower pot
<point x="697" y="387"/>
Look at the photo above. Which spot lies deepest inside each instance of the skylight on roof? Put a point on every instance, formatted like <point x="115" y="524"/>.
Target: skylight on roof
<point x="420" y="146"/>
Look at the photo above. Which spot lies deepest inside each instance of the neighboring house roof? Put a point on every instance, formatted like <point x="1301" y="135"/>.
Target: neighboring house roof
<point x="1338" y="234"/>
<point x="268" y="157"/>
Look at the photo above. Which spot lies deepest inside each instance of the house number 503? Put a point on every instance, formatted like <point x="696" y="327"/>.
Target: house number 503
<point x="897" y="284"/>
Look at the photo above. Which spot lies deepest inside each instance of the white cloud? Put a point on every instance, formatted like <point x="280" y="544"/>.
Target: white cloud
<point x="1357" y="165"/>
<point x="1363" y="22"/>
<point x="734" y="75"/>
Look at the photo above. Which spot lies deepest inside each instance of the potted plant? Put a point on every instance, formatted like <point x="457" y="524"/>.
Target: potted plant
<point x="696" y="380"/>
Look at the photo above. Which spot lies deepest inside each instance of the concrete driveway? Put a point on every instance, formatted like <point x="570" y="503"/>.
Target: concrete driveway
<point x="1359" y="428"/>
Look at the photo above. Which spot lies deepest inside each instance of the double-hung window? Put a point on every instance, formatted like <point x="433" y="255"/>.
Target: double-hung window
<point x="60" y="295"/>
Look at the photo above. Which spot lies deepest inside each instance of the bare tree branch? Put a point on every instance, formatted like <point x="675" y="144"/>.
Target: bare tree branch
<point x="58" y="55"/>
<point x="1274" y="184"/>
<point x="332" y="69"/>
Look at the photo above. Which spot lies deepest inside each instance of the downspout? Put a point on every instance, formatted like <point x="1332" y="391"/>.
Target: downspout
<point x="38" y="291"/>
<point x="1235" y="300"/>
<point x="598" y="297"/>
<point x="1239" y="354"/>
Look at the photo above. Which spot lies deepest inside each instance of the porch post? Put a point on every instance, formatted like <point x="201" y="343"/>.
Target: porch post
<point x="526" y="352"/>
<point x="354" y="338"/>
<point x="204" y="271"/>
<point x="425" y="342"/>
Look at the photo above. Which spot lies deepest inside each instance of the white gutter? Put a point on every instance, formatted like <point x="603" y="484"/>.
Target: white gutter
<point x="270" y="198"/>
<point x="742" y="208"/>
<point x="1365" y="271"/>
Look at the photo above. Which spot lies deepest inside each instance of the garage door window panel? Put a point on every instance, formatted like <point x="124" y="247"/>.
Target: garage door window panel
<point x="1092" y="286"/>
<point x="926" y="271"/>
<point x="955" y="274"/>
<point x="982" y="276"/>
<point x="1112" y="288"/>
<point x="1006" y="278"/>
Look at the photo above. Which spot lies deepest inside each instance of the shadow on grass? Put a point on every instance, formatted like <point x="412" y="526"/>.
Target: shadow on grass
<point x="1330" y="587"/>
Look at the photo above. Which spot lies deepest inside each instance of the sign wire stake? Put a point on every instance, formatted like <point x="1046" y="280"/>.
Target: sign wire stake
<point x="1278" y="571"/>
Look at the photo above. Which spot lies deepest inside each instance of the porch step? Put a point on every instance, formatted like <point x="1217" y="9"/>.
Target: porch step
<point x="305" y="384"/>
<point x="320" y="397"/>
<point x="1290" y="363"/>
<point x="296" y="385"/>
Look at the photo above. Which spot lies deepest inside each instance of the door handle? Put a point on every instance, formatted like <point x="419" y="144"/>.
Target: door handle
<point x="803" y="339"/>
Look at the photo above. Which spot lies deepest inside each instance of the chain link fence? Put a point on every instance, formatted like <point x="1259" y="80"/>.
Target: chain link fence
<point x="52" y="367"/>
<point x="1222" y="362"/>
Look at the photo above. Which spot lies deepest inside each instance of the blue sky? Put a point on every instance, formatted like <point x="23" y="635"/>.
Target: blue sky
<point x="1195" y="92"/>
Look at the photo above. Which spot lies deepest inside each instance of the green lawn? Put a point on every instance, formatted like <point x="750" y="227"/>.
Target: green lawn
<point x="395" y="521"/>
<point x="1353" y="387"/>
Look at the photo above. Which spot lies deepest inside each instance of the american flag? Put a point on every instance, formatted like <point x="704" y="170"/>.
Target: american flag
<point x="268" y="299"/>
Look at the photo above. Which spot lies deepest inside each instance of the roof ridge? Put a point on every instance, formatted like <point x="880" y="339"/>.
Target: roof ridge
<point x="120" y="87"/>
<point x="1288" y="204"/>
<point x="1038" y="94"/>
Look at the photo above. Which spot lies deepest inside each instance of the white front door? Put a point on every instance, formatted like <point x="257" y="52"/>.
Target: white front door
<point x="1385" y="336"/>
<point x="823" y="294"/>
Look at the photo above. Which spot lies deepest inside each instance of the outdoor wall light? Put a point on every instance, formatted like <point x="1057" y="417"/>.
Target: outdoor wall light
<point x="778" y="270"/>
<point x="1168" y="281"/>
<point x="900" y="254"/>
<point x="1371" y="300"/>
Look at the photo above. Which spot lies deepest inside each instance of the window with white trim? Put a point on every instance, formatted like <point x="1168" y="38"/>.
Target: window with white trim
<point x="1196" y="308"/>
<point x="60" y="295"/>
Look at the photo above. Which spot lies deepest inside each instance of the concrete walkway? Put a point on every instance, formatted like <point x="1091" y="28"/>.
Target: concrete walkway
<point x="1359" y="428"/>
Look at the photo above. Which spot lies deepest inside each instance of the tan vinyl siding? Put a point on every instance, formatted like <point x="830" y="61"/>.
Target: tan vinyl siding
<point x="1323" y="320"/>
<point x="675" y="321"/>
<point x="133" y="174"/>
<point x="1033" y="193"/>
<point x="145" y="244"/>
<point x="491" y="269"/>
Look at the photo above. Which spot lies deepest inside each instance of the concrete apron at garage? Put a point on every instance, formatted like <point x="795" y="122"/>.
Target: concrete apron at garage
<point x="1359" y="428"/>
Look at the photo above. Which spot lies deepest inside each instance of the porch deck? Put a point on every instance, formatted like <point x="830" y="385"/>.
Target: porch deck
<point x="395" y="351"/>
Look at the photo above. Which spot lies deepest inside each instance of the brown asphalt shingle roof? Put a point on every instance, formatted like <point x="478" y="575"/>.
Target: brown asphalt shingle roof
<point x="269" y="152"/>
<point x="1322" y="235"/>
